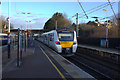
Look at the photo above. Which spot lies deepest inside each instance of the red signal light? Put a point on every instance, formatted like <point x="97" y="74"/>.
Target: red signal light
<point x="74" y="43"/>
<point x="57" y="42"/>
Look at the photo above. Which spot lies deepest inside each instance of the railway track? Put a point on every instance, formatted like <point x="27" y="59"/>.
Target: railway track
<point x="94" y="65"/>
<point x="99" y="60"/>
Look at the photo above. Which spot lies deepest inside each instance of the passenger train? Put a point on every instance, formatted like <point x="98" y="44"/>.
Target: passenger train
<point x="62" y="40"/>
<point x="3" y="38"/>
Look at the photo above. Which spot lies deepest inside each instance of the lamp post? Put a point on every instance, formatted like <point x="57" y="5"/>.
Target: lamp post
<point x="28" y="24"/>
<point x="106" y="28"/>
<point x="77" y="25"/>
<point x="26" y="17"/>
<point x="26" y="27"/>
<point x="9" y="32"/>
<point x="28" y="35"/>
<point x="56" y="20"/>
<point x="76" y="15"/>
<point x="30" y="28"/>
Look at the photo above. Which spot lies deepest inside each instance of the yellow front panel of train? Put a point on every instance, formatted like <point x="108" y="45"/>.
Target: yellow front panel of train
<point x="66" y="44"/>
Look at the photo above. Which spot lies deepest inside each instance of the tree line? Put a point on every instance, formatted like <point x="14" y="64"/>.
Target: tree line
<point x="4" y="25"/>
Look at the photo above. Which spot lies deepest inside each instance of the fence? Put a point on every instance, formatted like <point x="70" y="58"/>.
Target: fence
<point x="112" y="42"/>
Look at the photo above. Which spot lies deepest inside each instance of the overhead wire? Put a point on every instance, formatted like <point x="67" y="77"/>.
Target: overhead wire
<point x="95" y="9"/>
<point x="99" y="8"/>
<point x="82" y="9"/>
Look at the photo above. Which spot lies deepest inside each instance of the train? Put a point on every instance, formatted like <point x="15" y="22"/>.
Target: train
<point x="4" y="38"/>
<point x="62" y="40"/>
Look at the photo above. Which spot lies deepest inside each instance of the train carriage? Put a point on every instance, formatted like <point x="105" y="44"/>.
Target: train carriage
<point x="3" y="39"/>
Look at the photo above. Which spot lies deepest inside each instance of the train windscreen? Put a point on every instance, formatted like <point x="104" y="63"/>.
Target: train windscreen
<point x="65" y="36"/>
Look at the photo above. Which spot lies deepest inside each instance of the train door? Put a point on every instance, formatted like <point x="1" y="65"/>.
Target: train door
<point x="51" y="39"/>
<point x="48" y="39"/>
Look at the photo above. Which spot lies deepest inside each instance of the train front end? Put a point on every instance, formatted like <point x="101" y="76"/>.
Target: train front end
<point x="67" y="40"/>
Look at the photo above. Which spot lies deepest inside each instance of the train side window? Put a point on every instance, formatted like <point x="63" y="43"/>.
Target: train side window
<point x="51" y="37"/>
<point x="46" y="37"/>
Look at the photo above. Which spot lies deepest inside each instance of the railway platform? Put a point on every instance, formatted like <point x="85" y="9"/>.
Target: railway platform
<point x="113" y="54"/>
<point x="107" y="50"/>
<point x="44" y="63"/>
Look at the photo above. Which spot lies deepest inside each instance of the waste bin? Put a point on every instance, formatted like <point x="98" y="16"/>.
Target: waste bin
<point x="104" y="43"/>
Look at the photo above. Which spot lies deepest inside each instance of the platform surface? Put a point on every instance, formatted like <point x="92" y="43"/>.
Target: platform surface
<point x="107" y="50"/>
<point x="42" y="63"/>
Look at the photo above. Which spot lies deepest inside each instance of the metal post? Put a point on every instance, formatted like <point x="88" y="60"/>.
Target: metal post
<point x="20" y="47"/>
<point x="8" y="45"/>
<point x="56" y="24"/>
<point x="30" y="29"/>
<point x="18" y="50"/>
<point x="9" y="33"/>
<point x="25" y="42"/>
<point x="22" y="38"/>
<point x="56" y="21"/>
<point x="77" y="24"/>
<point x="106" y="36"/>
<point x="9" y="17"/>
<point x="26" y="29"/>
<point x="14" y="41"/>
<point x="107" y="31"/>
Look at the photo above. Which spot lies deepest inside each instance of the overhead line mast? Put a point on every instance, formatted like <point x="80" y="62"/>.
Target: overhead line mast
<point x="77" y="31"/>
<point x="112" y="9"/>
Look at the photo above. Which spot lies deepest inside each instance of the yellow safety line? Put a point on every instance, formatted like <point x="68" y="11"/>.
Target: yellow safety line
<point x="63" y="77"/>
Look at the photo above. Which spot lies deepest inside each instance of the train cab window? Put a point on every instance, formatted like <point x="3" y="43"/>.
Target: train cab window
<point x="65" y="36"/>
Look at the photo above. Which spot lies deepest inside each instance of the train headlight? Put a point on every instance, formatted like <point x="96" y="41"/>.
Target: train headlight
<point x="74" y="43"/>
<point x="57" y="43"/>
